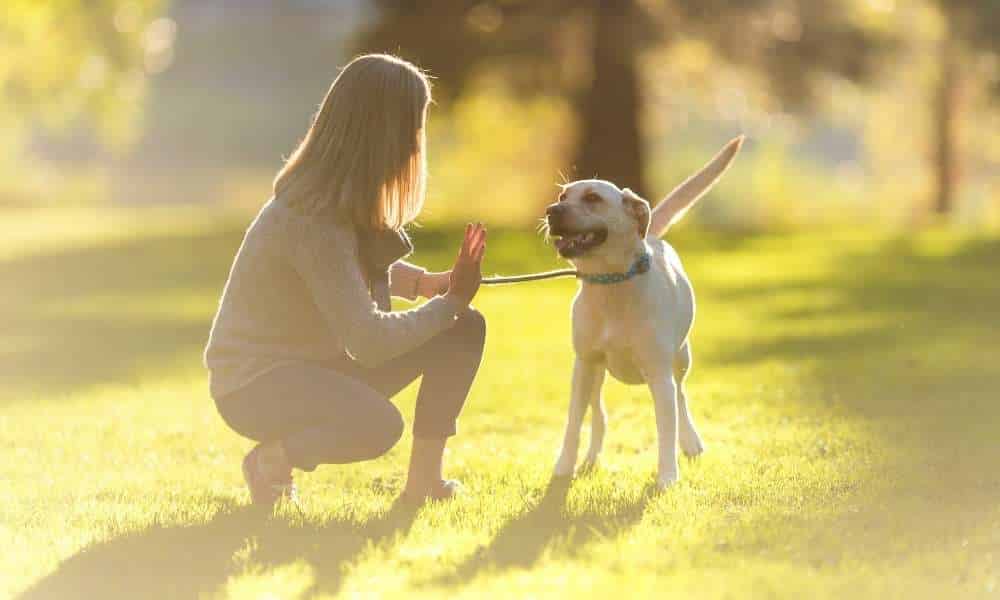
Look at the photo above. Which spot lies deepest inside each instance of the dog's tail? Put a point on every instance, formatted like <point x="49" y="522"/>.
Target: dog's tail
<point x="677" y="202"/>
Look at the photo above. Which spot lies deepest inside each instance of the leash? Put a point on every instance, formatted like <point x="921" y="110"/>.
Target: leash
<point x="640" y="266"/>
<point x="500" y="280"/>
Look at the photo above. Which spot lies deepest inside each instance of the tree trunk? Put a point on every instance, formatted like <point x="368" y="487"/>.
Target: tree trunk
<point x="945" y="117"/>
<point x="609" y="144"/>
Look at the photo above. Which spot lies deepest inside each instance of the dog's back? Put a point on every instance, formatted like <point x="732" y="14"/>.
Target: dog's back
<point x="671" y="295"/>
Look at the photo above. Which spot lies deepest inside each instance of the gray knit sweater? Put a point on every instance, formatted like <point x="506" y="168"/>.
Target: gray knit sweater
<point x="296" y="293"/>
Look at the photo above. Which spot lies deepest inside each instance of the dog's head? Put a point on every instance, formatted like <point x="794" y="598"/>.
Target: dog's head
<point x="594" y="218"/>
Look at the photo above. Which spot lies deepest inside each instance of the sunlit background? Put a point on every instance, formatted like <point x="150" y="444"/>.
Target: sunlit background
<point x="856" y="110"/>
<point x="845" y="351"/>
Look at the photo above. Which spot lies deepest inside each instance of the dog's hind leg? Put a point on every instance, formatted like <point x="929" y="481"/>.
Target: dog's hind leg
<point x="586" y="376"/>
<point x="598" y="423"/>
<point x="664" y="391"/>
<point x="688" y="436"/>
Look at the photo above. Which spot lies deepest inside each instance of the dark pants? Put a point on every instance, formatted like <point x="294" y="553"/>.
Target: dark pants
<point x="340" y="412"/>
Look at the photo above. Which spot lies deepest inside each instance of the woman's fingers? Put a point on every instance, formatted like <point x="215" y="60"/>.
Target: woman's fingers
<point x="471" y="235"/>
<point x="476" y="234"/>
<point x="480" y="235"/>
<point x="473" y="243"/>
<point x="466" y="241"/>
<point x="480" y="248"/>
<point x="482" y="244"/>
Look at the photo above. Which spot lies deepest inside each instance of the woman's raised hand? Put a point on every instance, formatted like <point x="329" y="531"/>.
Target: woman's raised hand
<point x="466" y="275"/>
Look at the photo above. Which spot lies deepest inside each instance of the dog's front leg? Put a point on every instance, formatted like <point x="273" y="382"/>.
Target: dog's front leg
<point x="586" y="376"/>
<point x="664" y="392"/>
<point x="598" y="422"/>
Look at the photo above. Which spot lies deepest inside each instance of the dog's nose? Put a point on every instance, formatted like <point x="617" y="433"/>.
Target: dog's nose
<point x="554" y="210"/>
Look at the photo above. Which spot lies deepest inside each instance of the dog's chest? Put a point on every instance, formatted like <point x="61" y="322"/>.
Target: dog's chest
<point x="608" y="334"/>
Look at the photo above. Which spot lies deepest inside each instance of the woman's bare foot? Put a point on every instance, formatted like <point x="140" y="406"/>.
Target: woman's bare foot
<point x="425" y="481"/>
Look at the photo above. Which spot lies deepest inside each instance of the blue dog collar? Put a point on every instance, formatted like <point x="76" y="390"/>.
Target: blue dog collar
<point x="640" y="266"/>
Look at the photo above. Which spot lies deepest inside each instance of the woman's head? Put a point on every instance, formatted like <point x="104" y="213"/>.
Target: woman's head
<point x="363" y="157"/>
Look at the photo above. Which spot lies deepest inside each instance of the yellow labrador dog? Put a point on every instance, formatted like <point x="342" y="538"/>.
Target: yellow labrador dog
<point x="634" y="309"/>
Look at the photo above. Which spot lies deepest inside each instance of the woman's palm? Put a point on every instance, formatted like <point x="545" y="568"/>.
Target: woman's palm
<point x="466" y="275"/>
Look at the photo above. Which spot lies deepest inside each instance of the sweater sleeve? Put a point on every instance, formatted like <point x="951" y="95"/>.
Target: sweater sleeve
<point x="403" y="279"/>
<point x="328" y="265"/>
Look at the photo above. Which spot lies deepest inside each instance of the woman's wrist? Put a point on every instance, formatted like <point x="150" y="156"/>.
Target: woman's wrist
<point x="456" y="301"/>
<point x="418" y="286"/>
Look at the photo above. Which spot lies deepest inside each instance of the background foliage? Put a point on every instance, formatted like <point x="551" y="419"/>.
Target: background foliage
<point x="855" y="108"/>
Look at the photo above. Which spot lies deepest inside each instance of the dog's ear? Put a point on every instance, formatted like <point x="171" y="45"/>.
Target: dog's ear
<point x="639" y="209"/>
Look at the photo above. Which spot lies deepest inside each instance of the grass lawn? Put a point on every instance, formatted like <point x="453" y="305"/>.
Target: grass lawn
<point x="845" y="384"/>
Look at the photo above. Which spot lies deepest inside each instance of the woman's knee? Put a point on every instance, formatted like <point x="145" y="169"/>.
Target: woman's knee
<point x="471" y="327"/>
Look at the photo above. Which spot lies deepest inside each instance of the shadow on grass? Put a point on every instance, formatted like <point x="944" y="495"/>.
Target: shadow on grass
<point x="546" y="526"/>
<point x="191" y="561"/>
<point x="195" y="560"/>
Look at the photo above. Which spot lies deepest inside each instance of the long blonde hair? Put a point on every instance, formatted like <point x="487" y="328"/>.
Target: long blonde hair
<point x="363" y="158"/>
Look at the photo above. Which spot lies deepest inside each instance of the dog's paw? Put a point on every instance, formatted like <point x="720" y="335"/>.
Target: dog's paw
<point x="691" y="444"/>
<point x="666" y="480"/>
<point x="589" y="465"/>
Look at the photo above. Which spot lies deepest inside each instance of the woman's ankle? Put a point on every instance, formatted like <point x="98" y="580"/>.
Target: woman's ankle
<point x="426" y="463"/>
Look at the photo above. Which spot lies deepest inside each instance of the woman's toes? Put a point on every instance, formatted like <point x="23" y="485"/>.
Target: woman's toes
<point x="448" y="489"/>
<point x="441" y="490"/>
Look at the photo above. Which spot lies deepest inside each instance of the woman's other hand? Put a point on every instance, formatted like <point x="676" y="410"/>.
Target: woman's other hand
<point x="466" y="275"/>
<point x="434" y="284"/>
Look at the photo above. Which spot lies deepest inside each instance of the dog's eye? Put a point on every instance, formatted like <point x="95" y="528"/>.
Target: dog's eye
<point x="591" y="198"/>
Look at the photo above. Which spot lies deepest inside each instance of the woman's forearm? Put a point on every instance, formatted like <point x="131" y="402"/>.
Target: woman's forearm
<point x="404" y="279"/>
<point x="330" y="271"/>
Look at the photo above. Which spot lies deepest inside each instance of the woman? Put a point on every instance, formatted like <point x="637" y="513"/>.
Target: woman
<point x="304" y="352"/>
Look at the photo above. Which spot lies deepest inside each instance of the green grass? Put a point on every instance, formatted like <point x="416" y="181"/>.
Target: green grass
<point x="845" y="383"/>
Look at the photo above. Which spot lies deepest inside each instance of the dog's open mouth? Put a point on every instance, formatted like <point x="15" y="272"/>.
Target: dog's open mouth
<point x="571" y="244"/>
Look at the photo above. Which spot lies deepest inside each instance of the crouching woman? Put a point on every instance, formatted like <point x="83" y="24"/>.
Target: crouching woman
<point x="305" y="353"/>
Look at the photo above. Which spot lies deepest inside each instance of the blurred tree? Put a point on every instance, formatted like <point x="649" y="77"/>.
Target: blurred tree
<point x="76" y="63"/>
<point x="589" y="50"/>
<point x="970" y="27"/>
